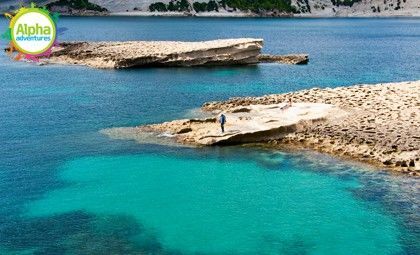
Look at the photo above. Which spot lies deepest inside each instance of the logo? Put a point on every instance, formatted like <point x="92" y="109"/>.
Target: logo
<point x="32" y="33"/>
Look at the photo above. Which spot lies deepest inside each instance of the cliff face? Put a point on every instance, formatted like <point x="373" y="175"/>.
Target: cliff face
<point x="159" y="53"/>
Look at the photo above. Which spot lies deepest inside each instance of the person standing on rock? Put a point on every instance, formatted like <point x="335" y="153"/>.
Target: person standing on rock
<point x="222" y="121"/>
<point x="288" y="105"/>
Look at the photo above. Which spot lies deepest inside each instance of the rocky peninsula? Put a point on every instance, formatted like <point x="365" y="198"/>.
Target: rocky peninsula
<point x="378" y="124"/>
<point x="133" y="54"/>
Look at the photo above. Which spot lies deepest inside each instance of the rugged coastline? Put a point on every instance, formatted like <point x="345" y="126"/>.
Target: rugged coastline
<point x="118" y="55"/>
<point x="378" y="124"/>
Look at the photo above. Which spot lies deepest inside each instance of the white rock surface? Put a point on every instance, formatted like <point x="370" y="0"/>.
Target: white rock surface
<point x="246" y="124"/>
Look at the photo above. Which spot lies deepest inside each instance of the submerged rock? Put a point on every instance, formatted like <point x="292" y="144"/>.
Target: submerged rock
<point x="293" y="59"/>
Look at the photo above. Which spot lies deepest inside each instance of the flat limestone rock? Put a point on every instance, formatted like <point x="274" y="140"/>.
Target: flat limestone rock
<point x="247" y="124"/>
<point x="382" y="127"/>
<point x="241" y="51"/>
<point x="377" y="124"/>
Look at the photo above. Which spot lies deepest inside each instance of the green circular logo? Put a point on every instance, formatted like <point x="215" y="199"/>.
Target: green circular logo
<point x="32" y="31"/>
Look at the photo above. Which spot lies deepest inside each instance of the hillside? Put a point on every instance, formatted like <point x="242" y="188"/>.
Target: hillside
<point x="68" y="7"/>
<point x="358" y="7"/>
<point x="317" y="8"/>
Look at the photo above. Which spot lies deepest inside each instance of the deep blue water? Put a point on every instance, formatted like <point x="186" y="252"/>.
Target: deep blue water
<point x="64" y="187"/>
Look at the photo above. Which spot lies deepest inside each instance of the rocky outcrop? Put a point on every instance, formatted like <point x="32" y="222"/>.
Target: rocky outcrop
<point x="253" y="123"/>
<point x="292" y="59"/>
<point x="378" y="124"/>
<point x="382" y="127"/>
<point x="159" y="53"/>
<point x="118" y="55"/>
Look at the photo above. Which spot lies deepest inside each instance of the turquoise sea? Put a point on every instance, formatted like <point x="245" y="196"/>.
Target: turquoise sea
<point x="67" y="189"/>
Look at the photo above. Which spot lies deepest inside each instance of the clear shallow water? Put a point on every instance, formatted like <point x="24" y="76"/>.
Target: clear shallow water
<point x="65" y="187"/>
<point x="225" y="205"/>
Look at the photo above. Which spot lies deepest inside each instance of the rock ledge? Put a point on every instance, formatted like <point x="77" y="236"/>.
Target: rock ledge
<point x="159" y="53"/>
<point x="377" y="124"/>
<point x="132" y="54"/>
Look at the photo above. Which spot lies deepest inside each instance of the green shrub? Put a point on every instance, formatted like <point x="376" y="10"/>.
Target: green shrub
<point x="344" y="2"/>
<point x="200" y="7"/>
<point x="256" y="6"/>
<point x="183" y="5"/>
<point x="259" y="5"/>
<point x="172" y="7"/>
<point x="158" y="7"/>
<point x="78" y="5"/>
<point x="212" y="6"/>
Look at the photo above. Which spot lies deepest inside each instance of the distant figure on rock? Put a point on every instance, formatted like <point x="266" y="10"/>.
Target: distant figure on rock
<point x="222" y="121"/>
<point x="288" y="105"/>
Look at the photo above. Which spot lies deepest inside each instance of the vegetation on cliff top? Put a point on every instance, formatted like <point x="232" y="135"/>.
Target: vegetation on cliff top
<point x="259" y="5"/>
<point x="344" y="2"/>
<point x="255" y="6"/>
<point x="172" y="6"/>
<point x="77" y="5"/>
